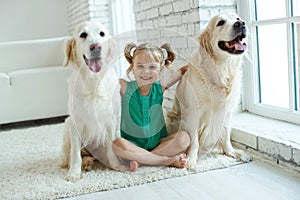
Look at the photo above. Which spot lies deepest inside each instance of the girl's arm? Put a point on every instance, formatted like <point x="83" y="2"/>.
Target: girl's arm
<point x="123" y="86"/>
<point x="173" y="78"/>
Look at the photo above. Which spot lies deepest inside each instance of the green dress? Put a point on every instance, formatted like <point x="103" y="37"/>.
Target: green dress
<point x="142" y="119"/>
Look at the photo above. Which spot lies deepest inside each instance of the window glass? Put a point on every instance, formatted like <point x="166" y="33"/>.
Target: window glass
<point x="297" y="63"/>
<point x="273" y="65"/>
<point x="296" y="7"/>
<point x="270" y="9"/>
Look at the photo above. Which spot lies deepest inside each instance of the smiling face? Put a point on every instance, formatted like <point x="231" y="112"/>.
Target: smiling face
<point x="146" y="67"/>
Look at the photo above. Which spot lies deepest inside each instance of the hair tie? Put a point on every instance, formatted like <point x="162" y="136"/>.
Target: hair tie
<point x="165" y="54"/>
<point x="132" y="50"/>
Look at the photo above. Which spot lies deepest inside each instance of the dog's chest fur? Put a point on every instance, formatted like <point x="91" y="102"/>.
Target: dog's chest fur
<point x="215" y="83"/>
<point x="90" y="103"/>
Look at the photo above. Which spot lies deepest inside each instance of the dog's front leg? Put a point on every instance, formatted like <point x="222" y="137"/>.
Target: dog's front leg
<point x="229" y="150"/>
<point x="190" y="117"/>
<point x="193" y="153"/>
<point x="113" y="160"/>
<point x="188" y="124"/>
<point x="75" y="159"/>
<point x="193" y="149"/>
<point x="65" y="153"/>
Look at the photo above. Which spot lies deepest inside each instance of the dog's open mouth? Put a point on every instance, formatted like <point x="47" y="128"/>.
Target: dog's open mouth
<point x="95" y="64"/>
<point x="236" y="46"/>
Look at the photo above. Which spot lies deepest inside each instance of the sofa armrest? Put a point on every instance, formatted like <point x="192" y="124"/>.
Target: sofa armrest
<point x="4" y="80"/>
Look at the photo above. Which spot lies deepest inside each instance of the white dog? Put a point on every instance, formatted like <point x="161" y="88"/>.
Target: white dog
<point x="210" y="89"/>
<point x="94" y="101"/>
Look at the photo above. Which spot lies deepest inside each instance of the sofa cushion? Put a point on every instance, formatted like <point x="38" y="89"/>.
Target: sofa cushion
<point x="35" y="94"/>
<point x="31" y="53"/>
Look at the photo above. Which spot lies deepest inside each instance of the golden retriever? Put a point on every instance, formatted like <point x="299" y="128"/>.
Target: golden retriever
<point x="209" y="90"/>
<point x="94" y="101"/>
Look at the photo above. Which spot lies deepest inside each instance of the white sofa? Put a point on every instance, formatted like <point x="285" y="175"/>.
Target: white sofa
<point x="33" y="82"/>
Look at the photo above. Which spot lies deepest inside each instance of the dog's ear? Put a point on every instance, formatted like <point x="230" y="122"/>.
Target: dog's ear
<point x="111" y="52"/>
<point x="204" y="41"/>
<point x="70" y="51"/>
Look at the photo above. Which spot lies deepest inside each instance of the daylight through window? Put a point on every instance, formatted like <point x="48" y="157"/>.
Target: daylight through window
<point x="273" y="85"/>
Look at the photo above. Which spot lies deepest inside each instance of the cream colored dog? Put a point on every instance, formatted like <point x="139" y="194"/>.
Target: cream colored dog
<point x="94" y="101"/>
<point x="210" y="89"/>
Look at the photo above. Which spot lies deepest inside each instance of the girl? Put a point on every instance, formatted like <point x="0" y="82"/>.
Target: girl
<point x="143" y="131"/>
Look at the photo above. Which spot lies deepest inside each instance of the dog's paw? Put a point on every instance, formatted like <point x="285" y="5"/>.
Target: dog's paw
<point x="243" y="156"/>
<point x="74" y="174"/>
<point x="192" y="167"/>
<point x="192" y="163"/>
<point x="73" y="177"/>
<point x="239" y="154"/>
<point x="64" y="165"/>
<point x="64" y="162"/>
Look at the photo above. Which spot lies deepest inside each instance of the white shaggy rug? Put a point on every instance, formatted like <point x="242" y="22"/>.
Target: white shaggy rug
<point x="29" y="167"/>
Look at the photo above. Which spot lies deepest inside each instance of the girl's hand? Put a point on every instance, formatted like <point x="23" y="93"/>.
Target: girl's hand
<point x="183" y="69"/>
<point x="175" y="76"/>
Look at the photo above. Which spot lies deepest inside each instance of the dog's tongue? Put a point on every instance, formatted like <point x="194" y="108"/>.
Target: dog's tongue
<point x="95" y="64"/>
<point x="239" y="46"/>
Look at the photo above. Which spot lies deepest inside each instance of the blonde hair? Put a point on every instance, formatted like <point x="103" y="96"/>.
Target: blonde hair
<point x="164" y="54"/>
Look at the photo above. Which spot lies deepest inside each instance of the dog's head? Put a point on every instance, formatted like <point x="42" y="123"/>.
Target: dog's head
<point x="225" y="34"/>
<point x="90" y="45"/>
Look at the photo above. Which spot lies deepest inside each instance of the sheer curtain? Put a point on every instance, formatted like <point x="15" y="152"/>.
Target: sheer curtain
<point x="123" y="29"/>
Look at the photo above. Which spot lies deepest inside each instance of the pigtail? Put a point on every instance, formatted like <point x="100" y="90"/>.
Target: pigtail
<point x="128" y="51"/>
<point x="170" y="54"/>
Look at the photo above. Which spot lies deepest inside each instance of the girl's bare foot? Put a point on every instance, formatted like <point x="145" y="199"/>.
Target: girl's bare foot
<point x="133" y="166"/>
<point x="180" y="162"/>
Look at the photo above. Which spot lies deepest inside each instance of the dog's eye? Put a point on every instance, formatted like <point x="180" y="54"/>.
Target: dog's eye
<point x="102" y="34"/>
<point x="221" y="23"/>
<point x="83" y="35"/>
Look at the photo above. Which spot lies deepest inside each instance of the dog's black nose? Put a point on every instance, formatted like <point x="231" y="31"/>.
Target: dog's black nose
<point x="239" y="25"/>
<point x="95" y="46"/>
<point x="95" y="50"/>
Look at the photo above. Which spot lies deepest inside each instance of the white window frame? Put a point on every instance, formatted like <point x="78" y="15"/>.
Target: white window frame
<point x="250" y="97"/>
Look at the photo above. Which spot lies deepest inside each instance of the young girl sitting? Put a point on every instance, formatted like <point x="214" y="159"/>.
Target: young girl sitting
<point x="143" y="130"/>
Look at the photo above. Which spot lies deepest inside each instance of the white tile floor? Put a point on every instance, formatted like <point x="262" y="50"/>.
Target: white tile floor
<point x="254" y="180"/>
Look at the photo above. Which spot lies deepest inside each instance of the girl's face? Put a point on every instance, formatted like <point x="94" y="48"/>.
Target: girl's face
<point x="146" y="68"/>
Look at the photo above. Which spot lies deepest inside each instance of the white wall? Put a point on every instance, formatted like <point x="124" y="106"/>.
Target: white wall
<point x="32" y="19"/>
<point x="178" y="22"/>
<point x="86" y="10"/>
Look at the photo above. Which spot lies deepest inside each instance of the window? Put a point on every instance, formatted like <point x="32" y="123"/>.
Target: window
<point x="271" y="75"/>
<point x="123" y="29"/>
